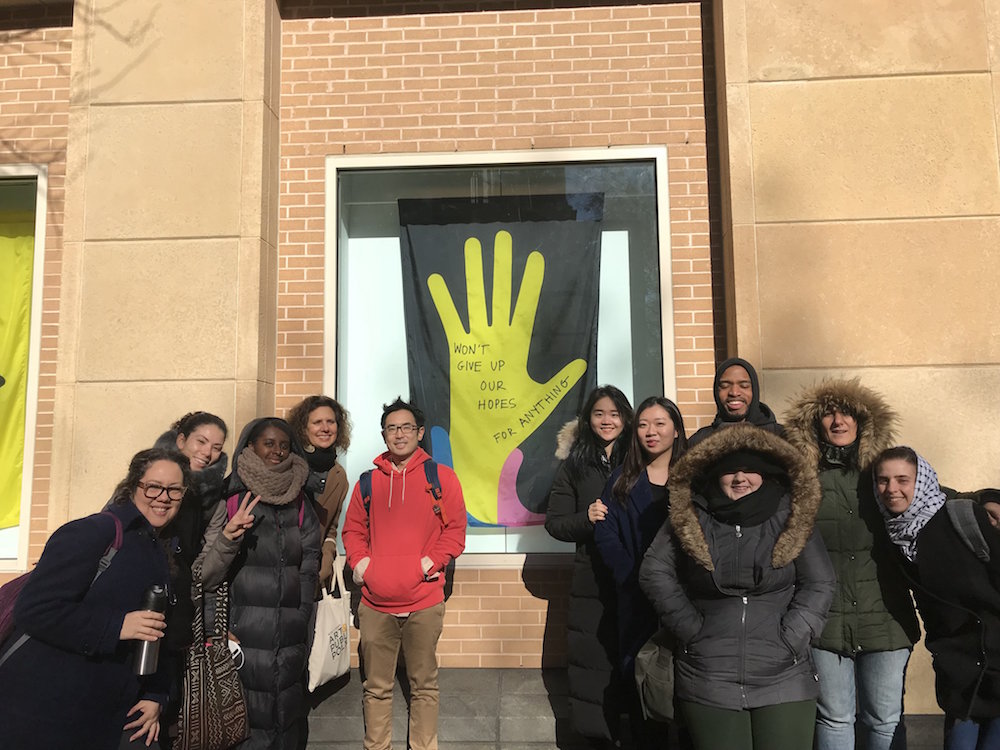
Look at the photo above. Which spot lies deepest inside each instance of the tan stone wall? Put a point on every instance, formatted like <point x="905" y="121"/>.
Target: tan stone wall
<point x="861" y="200"/>
<point x="34" y="116"/>
<point x="493" y="81"/>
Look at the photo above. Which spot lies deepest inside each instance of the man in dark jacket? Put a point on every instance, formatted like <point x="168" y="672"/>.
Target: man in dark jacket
<point x="737" y="396"/>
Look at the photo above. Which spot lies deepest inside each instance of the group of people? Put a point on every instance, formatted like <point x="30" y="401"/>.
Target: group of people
<point x="777" y="563"/>
<point x="268" y="529"/>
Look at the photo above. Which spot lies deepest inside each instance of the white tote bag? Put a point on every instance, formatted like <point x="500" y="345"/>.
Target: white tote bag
<point x="330" y="656"/>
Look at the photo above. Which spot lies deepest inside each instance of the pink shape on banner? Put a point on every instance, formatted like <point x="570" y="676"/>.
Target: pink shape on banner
<point x="510" y="511"/>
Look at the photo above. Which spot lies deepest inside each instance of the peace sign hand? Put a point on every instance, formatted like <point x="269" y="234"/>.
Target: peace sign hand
<point x="242" y="519"/>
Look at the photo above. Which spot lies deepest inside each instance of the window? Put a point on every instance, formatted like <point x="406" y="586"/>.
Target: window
<point x="22" y="222"/>
<point x="559" y="259"/>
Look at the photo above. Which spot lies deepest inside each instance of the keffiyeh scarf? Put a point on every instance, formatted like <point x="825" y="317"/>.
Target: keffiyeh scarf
<point x="928" y="499"/>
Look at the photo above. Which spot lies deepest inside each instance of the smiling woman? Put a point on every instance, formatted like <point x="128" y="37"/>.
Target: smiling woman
<point x="81" y="601"/>
<point x="265" y="539"/>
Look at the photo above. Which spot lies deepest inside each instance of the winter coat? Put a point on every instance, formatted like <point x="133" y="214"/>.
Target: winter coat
<point x="959" y="601"/>
<point x="327" y="490"/>
<point x="743" y="602"/>
<point x="188" y="529"/>
<point x="592" y="633"/>
<point x="622" y="538"/>
<point x="399" y="529"/>
<point x="872" y="609"/>
<point x="71" y="684"/>
<point x="758" y="414"/>
<point x="272" y="570"/>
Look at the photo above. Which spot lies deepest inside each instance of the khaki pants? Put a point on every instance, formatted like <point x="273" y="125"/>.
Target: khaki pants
<point x="382" y="636"/>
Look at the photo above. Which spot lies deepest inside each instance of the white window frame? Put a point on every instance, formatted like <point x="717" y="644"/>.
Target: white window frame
<point x="336" y="164"/>
<point x="40" y="173"/>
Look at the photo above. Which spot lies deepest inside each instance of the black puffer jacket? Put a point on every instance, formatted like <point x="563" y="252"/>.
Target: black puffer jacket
<point x="872" y="609"/>
<point x="273" y="575"/>
<point x="592" y="633"/>
<point x="959" y="600"/>
<point x="743" y="602"/>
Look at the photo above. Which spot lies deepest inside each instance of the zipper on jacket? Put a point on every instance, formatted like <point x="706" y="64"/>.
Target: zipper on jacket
<point x="743" y="645"/>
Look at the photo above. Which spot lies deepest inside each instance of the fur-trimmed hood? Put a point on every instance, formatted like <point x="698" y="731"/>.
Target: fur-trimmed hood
<point x="804" y="489"/>
<point x="565" y="439"/>
<point x="876" y="420"/>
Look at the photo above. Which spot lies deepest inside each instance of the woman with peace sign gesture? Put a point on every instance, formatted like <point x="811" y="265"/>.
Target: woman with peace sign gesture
<point x="265" y="540"/>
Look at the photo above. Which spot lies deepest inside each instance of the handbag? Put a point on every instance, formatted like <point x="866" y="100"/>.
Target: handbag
<point x="213" y="709"/>
<point x="654" y="677"/>
<point x="330" y="655"/>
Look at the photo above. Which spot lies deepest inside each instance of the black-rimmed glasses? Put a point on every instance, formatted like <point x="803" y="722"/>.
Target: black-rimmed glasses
<point x="153" y="491"/>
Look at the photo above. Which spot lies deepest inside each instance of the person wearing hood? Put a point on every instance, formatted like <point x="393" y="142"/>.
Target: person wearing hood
<point x="957" y="594"/>
<point x="737" y="397"/>
<point x="323" y="427"/>
<point x="399" y="541"/>
<point x="840" y="426"/>
<point x="265" y="540"/>
<point x="590" y="447"/>
<point x="741" y="580"/>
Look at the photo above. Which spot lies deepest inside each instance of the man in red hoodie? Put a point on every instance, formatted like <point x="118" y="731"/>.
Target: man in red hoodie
<point x="399" y="546"/>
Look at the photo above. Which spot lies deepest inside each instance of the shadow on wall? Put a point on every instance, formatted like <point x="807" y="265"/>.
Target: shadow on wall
<point x="549" y="582"/>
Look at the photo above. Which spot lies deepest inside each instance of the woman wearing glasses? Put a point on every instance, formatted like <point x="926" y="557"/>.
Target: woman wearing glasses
<point x="66" y="673"/>
<point x="265" y="540"/>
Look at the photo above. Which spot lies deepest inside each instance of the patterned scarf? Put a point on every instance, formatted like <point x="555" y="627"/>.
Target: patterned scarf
<point x="279" y="485"/>
<point x="928" y="499"/>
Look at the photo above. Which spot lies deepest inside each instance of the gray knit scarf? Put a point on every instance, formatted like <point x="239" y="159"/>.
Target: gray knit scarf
<point x="278" y="485"/>
<point x="928" y="499"/>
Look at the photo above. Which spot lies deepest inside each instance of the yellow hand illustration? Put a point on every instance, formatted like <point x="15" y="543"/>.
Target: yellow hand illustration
<point x="495" y="403"/>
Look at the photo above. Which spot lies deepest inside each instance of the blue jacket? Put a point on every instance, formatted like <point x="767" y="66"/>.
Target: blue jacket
<point x="622" y="539"/>
<point x="71" y="683"/>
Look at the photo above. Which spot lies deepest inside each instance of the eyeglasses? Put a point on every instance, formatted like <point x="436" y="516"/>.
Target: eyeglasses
<point x="403" y="429"/>
<point x="153" y="491"/>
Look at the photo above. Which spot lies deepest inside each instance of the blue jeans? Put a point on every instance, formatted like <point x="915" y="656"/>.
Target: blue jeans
<point x="871" y="686"/>
<point x="970" y="734"/>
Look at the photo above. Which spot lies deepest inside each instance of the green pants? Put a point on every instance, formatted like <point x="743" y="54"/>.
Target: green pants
<point x="788" y="726"/>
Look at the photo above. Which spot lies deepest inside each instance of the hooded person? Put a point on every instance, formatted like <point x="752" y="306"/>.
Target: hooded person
<point x="737" y="398"/>
<point x="265" y="540"/>
<point x="740" y="579"/>
<point x="956" y="590"/>
<point x="841" y="426"/>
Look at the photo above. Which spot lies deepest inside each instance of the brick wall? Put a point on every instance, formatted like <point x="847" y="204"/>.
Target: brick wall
<point x="507" y="77"/>
<point x="34" y="117"/>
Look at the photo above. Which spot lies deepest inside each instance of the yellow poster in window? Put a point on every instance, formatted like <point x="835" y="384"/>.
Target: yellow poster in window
<point x="17" y="250"/>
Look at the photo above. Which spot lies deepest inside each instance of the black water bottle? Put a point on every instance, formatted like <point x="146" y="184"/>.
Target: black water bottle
<point x="148" y="652"/>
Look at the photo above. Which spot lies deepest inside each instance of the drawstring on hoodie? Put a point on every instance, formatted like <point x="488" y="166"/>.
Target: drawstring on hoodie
<point x="391" y="475"/>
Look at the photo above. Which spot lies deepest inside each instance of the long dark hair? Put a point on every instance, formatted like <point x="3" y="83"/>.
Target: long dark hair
<point x="587" y="450"/>
<point x="635" y="458"/>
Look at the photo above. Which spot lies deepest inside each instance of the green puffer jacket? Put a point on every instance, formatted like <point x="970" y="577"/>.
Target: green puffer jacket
<point x="872" y="609"/>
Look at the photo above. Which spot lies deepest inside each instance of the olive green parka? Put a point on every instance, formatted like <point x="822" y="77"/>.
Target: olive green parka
<point x="872" y="608"/>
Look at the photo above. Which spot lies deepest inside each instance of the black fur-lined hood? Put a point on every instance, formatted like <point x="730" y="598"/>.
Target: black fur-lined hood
<point x="804" y="489"/>
<point x="565" y="439"/>
<point x="876" y="420"/>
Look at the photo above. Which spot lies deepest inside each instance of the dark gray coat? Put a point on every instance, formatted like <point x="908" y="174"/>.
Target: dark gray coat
<point x="744" y="603"/>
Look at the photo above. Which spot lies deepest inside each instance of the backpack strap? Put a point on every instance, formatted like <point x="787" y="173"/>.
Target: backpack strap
<point x="434" y="487"/>
<point x="963" y="519"/>
<point x="365" y="484"/>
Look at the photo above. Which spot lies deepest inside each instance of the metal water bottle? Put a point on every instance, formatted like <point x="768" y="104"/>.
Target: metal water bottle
<point x="148" y="652"/>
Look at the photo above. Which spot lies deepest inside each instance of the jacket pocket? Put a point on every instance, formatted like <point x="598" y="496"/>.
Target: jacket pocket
<point x="392" y="580"/>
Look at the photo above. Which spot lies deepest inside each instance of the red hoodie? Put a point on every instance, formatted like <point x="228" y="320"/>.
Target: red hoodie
<point x="400" y="529"/>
